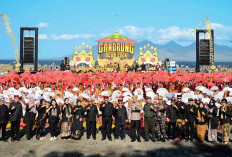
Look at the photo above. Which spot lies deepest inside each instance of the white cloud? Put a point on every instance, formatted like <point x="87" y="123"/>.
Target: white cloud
<point x="71" y="36"/>
<point x="175" y="33"/>
<point x="220" y="27"/>
<point x="137" y="32"/>
<point x="43" y="25"/>
<point x="43" y="36"/>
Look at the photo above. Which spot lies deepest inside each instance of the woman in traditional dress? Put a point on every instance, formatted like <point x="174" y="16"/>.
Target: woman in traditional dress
<point x="213" y="121"/>
<point x="41" y="119"/>
<point x="78" y="114"/>
<point x="224" y="116"/>
<point x="201" y="122"/>
<point x="66" y="111"/>
<point x="29" y="118"/>
<point x="54" y="115"/>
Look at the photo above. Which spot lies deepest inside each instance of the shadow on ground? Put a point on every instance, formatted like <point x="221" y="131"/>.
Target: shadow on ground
<point x="179" y="150"/>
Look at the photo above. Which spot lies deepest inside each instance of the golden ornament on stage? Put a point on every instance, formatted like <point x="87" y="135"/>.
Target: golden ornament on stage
<point x="148" y="55"/>
<point x="83" y="56"/>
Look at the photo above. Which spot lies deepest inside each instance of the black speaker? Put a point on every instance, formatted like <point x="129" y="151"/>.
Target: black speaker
<point x="66" y="60"/>
<point x="166" y="60"/>
<point x="204" y="57"/>
<point x="28" y="51"/>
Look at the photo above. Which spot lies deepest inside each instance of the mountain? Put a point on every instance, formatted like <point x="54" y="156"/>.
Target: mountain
<point x="175" y="51"/>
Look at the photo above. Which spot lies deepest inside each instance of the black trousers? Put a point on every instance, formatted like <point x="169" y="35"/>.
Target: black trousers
<point x="40" y="129"/>
<point x="172" y="130"/>
<point x="120" y="129"/>
<point x="149" y="122"/>
<point x="15" y="126"/>
<point x="3" y="127"/>
<point x="189" y="130"/>
<point x="29" y="127"/>
<point x="53" y="127"/>
<point x="91" y="129"/>
<point x="135" y="126"/>
<point x="180" y="131"/>
<point x="106" y="127"/>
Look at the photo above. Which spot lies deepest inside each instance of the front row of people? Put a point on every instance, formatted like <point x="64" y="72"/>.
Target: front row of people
<point x="180" y="118"/>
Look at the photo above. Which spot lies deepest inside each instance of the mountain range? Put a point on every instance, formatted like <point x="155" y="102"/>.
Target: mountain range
<point x="175" y="51"/>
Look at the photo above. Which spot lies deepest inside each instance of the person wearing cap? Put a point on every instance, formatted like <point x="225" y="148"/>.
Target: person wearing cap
<point x="135" y="119"/>
<point x="92" y="115"/>
<point x="120" y="120"/>
<point x="149" y="119"/>
<point x="107" y="109"/>
<point x="190" y="110"/>
<point x="15" y="109"/>
<point x="160" y="119"/>
<point x="181" y="114"/>
<point x="4" y="117"/>
<point x="171" y="119"/>
<point x="224" y="117"/>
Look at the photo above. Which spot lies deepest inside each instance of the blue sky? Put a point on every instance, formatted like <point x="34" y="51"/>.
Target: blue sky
<point x="65" y="24"/>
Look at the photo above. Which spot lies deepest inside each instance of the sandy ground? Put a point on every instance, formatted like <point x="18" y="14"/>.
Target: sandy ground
<point x="113" y="148"/>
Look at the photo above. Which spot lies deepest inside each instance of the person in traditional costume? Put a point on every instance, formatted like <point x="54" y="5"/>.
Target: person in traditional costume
<point x="66" y="111"/>
<point x="190" y="110"/>
<point x="120" y="120"/>
<point x="53" y="116"/>
<point x="41" y="119"/>
<point x="107" y="109"/>
<point x="171" y="119"/>
<point x="29" y="118"/>
<point x="4" y="117"/>
<point x="77" y="126"/>
<point x="92" y="116"/>
<point x="213" y="121"/>
<point x="224" y="116"/>
<point x="15" y="109"/>
<point x="181" y="115"/>
<point x="202" y="120"/>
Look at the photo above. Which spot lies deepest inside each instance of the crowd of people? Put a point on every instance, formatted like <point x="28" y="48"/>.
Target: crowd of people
<point x="175" y="107"/>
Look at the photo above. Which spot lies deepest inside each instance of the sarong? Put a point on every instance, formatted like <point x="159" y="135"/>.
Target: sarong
<point x="225" y="132"/>
<point x="201" y="130"/>
<point x="65" y="129"/>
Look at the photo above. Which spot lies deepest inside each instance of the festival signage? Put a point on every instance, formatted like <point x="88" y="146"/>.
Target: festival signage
<point x="116" y="49"/>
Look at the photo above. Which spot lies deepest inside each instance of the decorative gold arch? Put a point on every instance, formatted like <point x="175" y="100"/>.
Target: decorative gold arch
<point x="148" y="55"/>
<point x="83" y="54"/>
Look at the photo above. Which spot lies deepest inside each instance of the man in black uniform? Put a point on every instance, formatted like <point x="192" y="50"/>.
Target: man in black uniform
<point x="181" y="115"/>
<point x="15" y="109"/>
<point x="107" y="109"/>
<point x="171" y="118"/>
<point x="91" y="118"/>
<point x="4" y="117"/>
<point x="190" y="110"/>
<point x="120" y="120"/>
<point x="149" y="119"/>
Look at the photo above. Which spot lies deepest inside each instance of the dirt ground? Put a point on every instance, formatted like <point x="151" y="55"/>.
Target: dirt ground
<point x="113" y="148"/>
